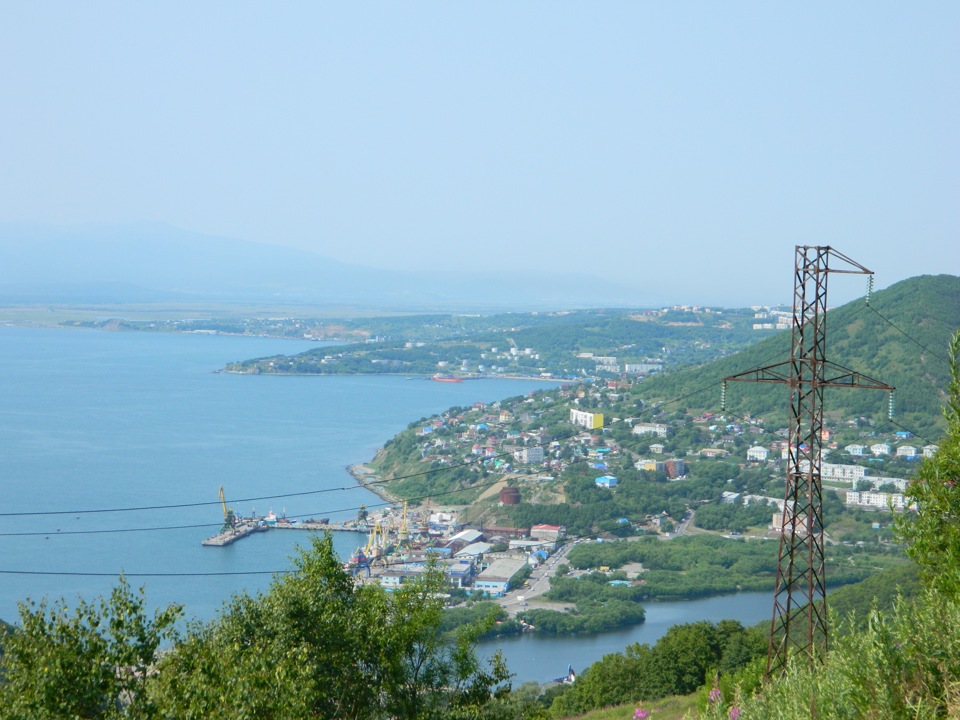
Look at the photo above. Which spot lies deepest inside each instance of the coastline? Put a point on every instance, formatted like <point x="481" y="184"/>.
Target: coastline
<point x="367" y="478"/>
<point x="409" y="376"/>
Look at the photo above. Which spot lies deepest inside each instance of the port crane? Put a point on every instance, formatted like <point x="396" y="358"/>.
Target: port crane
<point x="229" y="518"/>
<point x="377" y="543"/>
<point x="403" y="534"/>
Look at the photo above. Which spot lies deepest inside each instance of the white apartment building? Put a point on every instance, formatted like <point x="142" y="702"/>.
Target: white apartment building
<point x="758" y="453"/>
<point x="883" y="501"/>
<point x="589" y="420"/>
<point x="529" y="454"/>
<point x="657" y="429"/>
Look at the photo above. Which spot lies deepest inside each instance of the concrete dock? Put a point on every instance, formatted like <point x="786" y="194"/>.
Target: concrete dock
<point x="246" y="528"/>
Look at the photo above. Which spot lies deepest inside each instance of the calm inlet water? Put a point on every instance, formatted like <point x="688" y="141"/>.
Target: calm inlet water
<point x="94" y="420"/>
<point x="544" y="657"/>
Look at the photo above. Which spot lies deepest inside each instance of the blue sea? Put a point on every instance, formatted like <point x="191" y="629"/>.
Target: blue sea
<point x="93" y="420"/>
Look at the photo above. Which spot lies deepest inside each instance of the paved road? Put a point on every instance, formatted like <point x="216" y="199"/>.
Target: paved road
<point x="539" y="582"/>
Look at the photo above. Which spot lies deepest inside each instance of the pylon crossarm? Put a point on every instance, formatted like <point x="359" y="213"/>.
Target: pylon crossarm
<point x="851" y="378"/>
<point x="779" y="373"/>
<point x="855" y="269"/>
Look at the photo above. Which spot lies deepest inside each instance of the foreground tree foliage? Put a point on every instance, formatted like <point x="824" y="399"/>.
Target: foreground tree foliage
<point x="91" y="662"/>
<point x="933" y="535"/>
<point x="316" y="645"/>
<point x="677" y="664"/>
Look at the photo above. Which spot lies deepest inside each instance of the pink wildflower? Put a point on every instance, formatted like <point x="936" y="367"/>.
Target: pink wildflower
<point x="641" y="714"/>
<point x="715" y="695"/>
<point x="734" y="712"/>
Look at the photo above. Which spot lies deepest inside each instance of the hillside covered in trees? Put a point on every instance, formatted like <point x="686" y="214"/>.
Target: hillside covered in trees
<point x="899" y="337"/>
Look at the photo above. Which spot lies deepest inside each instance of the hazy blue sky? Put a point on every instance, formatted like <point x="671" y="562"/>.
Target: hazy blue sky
<point x="656" y="144"/>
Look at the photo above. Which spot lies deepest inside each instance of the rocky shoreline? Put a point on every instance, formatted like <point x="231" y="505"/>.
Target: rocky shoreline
<point x="367" y="478"/>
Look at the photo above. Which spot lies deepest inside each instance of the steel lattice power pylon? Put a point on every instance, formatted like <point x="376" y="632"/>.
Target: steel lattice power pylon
<point x="799" y="621"/>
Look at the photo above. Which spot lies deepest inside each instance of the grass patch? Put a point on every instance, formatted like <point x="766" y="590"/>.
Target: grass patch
<point x="675" y="707"/>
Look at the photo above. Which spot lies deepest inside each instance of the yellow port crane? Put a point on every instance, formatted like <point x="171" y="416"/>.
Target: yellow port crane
<point x="229" y="518"/>
<point x="403" y="535"/>
<point x="378" y="544"/>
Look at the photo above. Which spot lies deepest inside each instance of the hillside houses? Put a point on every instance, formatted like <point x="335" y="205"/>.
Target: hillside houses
<point x="597" y="440"/>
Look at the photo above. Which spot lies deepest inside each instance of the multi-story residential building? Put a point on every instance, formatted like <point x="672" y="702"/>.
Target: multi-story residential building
<point x="642" y="368"/>
<point x="757" y="454"/>
<point x="835" y="471"/>
<point x="589" y="420"/>
<point x="529" y="454"/>
<point x="658" y="429"/>
<point x="877" y="499"/>
<point x="675" y="469"/>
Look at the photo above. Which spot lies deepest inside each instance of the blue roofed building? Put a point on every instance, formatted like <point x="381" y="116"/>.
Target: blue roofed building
<point x="607" y="481"/>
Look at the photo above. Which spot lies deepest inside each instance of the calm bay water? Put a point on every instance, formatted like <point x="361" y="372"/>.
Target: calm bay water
<point x="93" y="420"/>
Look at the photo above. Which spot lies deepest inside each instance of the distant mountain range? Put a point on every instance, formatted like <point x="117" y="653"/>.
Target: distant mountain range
<point x="155" y="263"/>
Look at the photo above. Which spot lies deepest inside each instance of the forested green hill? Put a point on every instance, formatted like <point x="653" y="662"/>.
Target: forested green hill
<point x="899" y="338"/>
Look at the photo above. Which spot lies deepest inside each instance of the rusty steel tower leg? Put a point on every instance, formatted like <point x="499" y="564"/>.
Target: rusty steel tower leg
<point x="799" y="623"/>
<point x="799" y="603"/>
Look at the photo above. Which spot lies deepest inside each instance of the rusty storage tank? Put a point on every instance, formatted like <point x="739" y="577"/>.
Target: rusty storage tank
<point x="510" y="495"/>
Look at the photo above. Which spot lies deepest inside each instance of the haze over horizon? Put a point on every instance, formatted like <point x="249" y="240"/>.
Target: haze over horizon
<point x="682" y="150"/>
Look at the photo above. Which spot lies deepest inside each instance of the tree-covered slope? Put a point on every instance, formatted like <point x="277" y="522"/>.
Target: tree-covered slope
<point x="899" y="338"/>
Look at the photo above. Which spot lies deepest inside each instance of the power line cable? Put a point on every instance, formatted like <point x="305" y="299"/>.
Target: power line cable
<point x="906" y="429"/>
<point x="359" y="485"/>
<point x="176" y="506"/>
<point x="68" y="573"/>
<point x="908" y="336"/>
<point x="384" y="503"/>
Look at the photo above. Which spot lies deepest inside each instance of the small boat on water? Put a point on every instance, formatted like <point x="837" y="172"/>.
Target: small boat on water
<point x="446" y="378"/>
